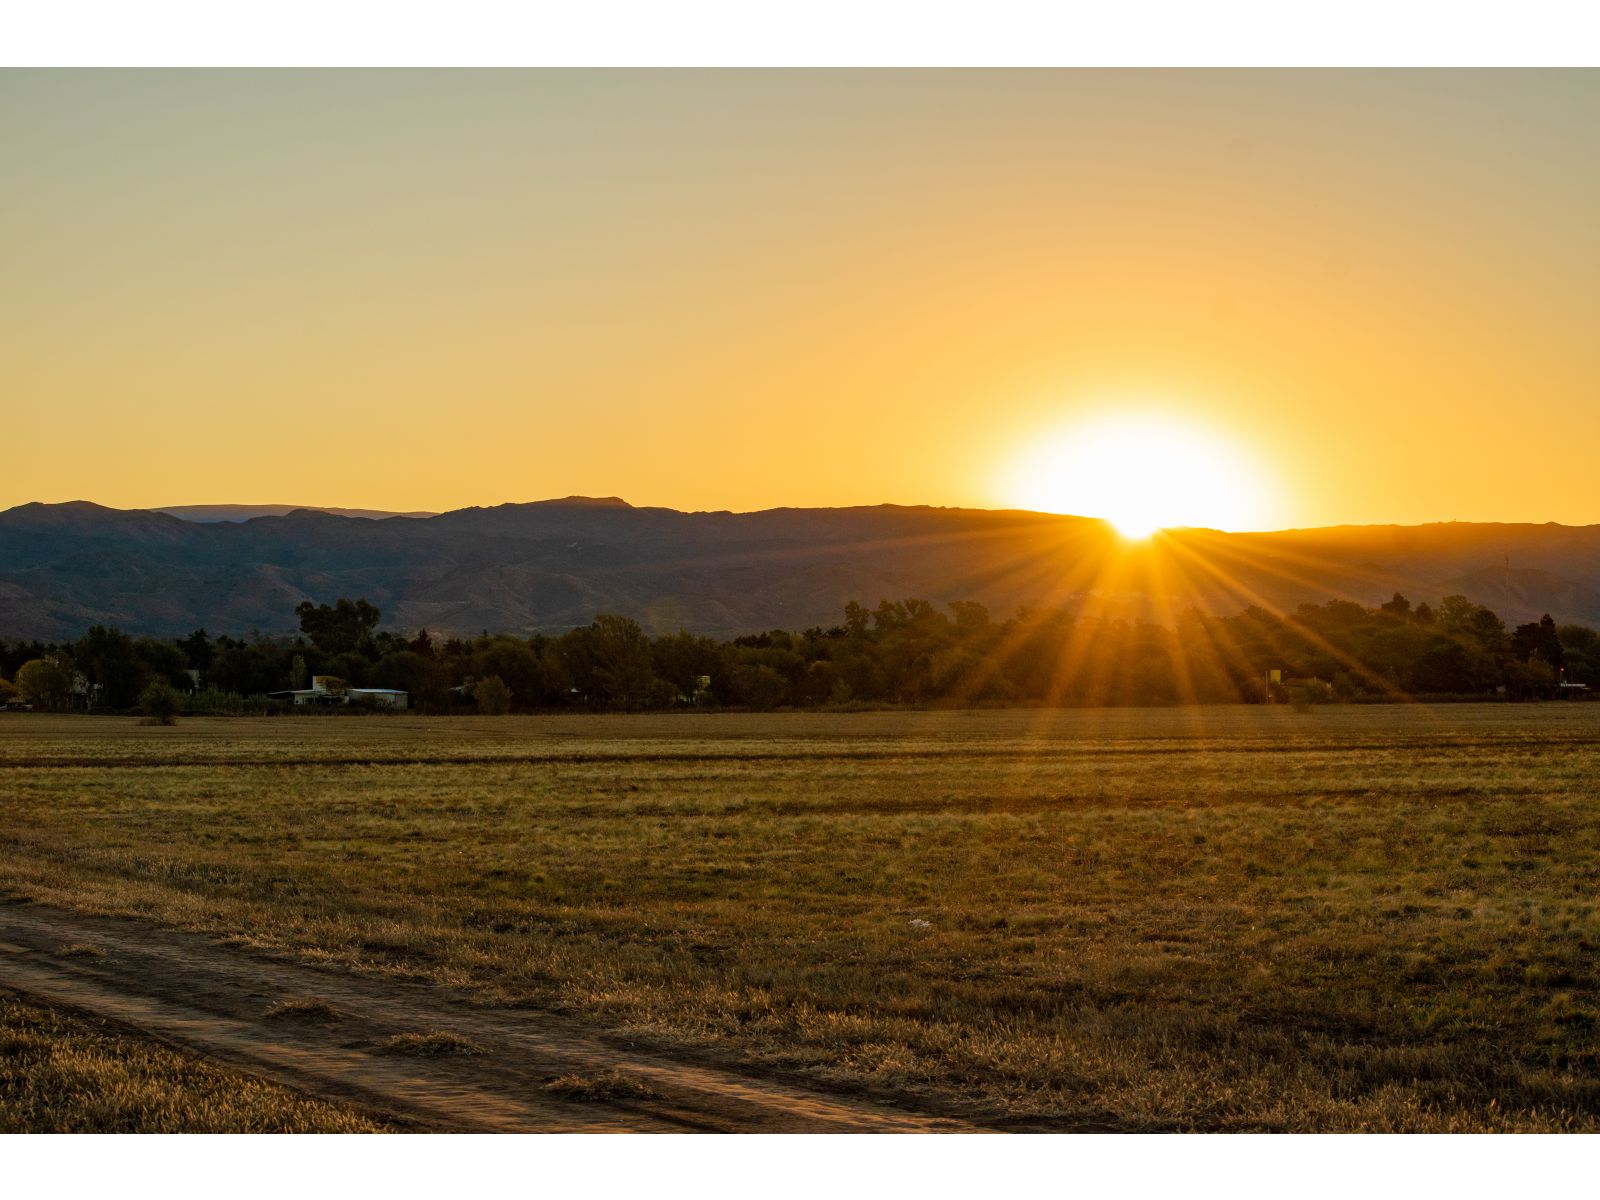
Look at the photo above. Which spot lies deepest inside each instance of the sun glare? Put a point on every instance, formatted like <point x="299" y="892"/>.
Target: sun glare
<point x="1143" y="473"/>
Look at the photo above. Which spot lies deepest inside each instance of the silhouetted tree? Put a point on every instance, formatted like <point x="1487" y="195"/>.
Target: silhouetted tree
<point x="1538" y="638"/>
<point x="108" y="661"/>
<point x="340" y="628"/>
<point x="1399" y="607"/>
<point x="197" y="649"/>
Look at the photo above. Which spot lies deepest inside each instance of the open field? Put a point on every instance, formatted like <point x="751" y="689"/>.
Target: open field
<point x="61" y="1073"/>
<point x="1221" y="919"/>
<point x="419" y="1056"/>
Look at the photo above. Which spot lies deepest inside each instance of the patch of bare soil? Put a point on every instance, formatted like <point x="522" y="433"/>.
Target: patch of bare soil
<point x="231" y="1004"/>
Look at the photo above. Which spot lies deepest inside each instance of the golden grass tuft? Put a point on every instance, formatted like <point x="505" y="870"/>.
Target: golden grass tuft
<point x="608" y="1085"/>
<point x="429" y="1045"/>
<point x="303" y="1008"/>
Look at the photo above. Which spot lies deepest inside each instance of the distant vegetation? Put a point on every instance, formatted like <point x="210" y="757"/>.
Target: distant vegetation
<point x="900" y="653"/>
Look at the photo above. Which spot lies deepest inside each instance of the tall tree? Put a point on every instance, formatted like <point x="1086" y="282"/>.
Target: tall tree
<point x="1538" y="639"/>
<point x="109" y="661"/>
<point x="46" y="683"/>
<point x="340" y="628"/>
<point x="613" y="662"/>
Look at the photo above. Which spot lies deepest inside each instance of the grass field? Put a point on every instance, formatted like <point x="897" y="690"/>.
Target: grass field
<point x="65" y="1074"/>
<point x="1378" y="918"/>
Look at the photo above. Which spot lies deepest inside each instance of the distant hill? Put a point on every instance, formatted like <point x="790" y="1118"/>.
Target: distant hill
<point x="550" y="565"/>
<point x="206" y="513"/>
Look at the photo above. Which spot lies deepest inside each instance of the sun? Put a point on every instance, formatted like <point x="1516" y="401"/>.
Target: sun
<point x="1142" y="472"/>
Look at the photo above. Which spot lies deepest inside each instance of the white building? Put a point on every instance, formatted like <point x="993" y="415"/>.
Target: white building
<point x="320" y="693"/>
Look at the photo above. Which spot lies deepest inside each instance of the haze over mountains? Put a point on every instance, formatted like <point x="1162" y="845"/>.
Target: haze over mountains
<point x="551" y="565"/>
<point x="207" y="513"/>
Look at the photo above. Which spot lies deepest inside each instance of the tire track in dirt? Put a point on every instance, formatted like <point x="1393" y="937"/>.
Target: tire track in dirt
<point x="213" y="998"/>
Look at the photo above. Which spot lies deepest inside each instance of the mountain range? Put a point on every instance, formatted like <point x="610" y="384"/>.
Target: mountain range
<point x="207" y="513"/>
<point x="550" y="565"/>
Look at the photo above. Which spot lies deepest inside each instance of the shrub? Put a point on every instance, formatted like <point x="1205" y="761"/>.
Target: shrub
<point x="493" y="696"/>
<point x="214" y="702"/>
<point x="159" y="703"/>
<point x="1303" y="693"/>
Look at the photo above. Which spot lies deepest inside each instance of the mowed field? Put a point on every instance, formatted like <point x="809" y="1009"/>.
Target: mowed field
<point x="61" y="1073"/>
<point x="1354" y="918"/>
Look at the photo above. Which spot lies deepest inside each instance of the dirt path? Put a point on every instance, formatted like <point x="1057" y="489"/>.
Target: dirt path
<point x="194" y="992"/>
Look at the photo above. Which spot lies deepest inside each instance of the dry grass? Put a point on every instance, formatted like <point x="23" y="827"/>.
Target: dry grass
<point x="61" y="1074"/>
<point x="429" y="1045"/>
<point x="610" y="1085"/>
<point x="1356" y="918"/>
<point x="303" y="1008"/>
<point x="82" y="950"/>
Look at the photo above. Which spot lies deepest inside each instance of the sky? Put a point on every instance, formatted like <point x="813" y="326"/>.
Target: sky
<point x="1337" y="296"/>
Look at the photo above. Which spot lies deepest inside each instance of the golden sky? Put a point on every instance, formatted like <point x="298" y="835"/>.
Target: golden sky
<point x="1378" y="291"/>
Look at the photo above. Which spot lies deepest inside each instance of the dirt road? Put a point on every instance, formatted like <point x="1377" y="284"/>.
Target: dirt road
<point x="214" y="999"/>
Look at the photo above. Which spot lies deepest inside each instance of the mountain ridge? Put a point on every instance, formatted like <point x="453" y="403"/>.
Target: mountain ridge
<point x="544" y="566"/>
<point x="238" y="513"/>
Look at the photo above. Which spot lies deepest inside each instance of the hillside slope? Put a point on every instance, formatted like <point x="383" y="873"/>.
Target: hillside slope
<point x="551" y="565"/>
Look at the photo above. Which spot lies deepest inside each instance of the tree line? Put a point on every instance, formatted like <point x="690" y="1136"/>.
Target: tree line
<point x="906" y="652"/>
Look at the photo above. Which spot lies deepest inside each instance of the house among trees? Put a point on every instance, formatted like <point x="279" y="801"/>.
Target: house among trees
<point x="330" y="690"/>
